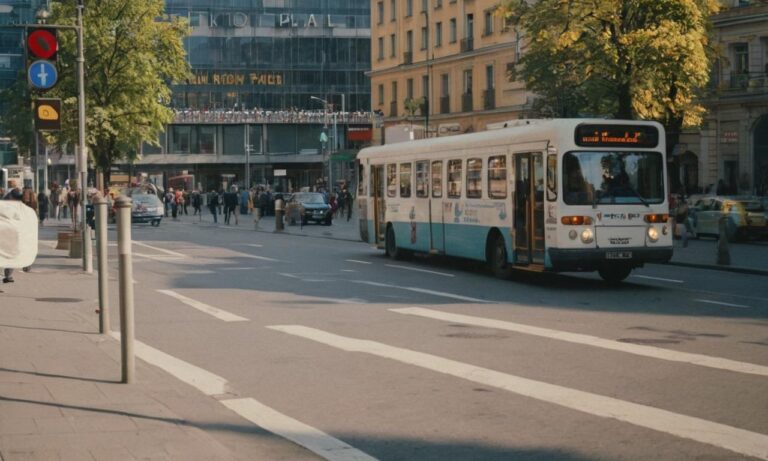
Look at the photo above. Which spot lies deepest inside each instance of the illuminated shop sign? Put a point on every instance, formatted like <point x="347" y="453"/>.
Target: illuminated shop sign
<point x="237" y="78"/>
<point x="617" y="135"/>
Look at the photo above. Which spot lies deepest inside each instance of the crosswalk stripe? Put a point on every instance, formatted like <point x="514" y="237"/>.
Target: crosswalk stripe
<point x="637" y="349"/>
<point x="720" y="435"/>
<point x="202" y="307"/>
<point x="441" y="294"/>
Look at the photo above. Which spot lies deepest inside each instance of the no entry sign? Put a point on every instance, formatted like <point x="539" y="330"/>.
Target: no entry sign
<point x="42" y="43"/>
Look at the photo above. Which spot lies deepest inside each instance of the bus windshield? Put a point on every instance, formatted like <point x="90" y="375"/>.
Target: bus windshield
<point x="591" y="178"/>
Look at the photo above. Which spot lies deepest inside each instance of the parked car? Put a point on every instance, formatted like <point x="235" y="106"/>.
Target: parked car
<point x="312" y="207"/>
<point x="746" y="217"/>
<point x="146" y="208"/>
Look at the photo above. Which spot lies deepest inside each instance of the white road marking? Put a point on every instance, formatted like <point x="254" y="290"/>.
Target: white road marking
<point x="719" y="303"/>
<point x="303" y="435"/>
<point x="261" y="258"/>
<point x="198" y="272"/>
<point x="357" y="262"/>
<point x="658" y="278"/>
<point x="157" y="257"/>
<point x="424" y="290"/>
<point x="289" y="275"/>
<point x="348" y="270"/>
<point x="205" y="381"/>
<point x="237" y="268"/>
<point x="162" y="250"/>
<point x="202" y="307"/>
<point x="637" y="349"/>
<point x="255" y="245"/>
<point x="720" y="435"/>
<point x="420" y="270"/>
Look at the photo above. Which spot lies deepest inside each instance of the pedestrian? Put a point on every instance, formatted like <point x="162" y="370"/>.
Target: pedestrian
<point x="346" y="199"/>
<point x="55" y="197"/>
<point x="73" y="202"/>
<point x="681" y="217"/>
<point x="197" y="203"/>
<point x="230" y="205"/>
<point x="29" y="199"/>
<point x="213" y="204"/>
<point x="178" y="201"/>
<point x="245" y="199"/>
<point x="42" y="206"/>
<point x="171" y="197"/>
<point x="13" y="194"/>
<point x="185" y="196"/>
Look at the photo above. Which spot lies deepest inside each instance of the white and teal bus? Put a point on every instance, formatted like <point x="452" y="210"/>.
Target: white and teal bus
<point x="541" y="195"/>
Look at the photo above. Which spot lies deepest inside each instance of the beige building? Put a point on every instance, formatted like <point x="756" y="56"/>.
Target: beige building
<point x="443" y="63"/>
<point x="732" y="145"/>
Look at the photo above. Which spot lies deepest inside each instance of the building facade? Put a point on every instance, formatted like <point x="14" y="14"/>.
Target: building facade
<point x="443" y="64"/>
<point x="731" y="149"/>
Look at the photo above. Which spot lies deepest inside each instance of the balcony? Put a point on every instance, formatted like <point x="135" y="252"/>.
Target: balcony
<point x="393" y="109"/>
<point x="467" y="44"/>
<point x="489" y="99"/>
<point x="739" y="84"/>
<point x="408" y="57"/>
<point x="445" y="104"/>
<point x="466" y="102"/>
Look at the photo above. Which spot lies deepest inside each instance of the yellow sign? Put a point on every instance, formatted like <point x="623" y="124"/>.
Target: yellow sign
<point x="237" y="78"/>
<point x="47" y="114"/>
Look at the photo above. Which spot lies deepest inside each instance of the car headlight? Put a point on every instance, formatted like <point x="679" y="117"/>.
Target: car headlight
<point x="653" y="234"/>
<point x="587" y="236"/>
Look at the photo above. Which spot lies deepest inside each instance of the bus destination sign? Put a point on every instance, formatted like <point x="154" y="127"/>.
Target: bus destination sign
<point x="617" y="136"/>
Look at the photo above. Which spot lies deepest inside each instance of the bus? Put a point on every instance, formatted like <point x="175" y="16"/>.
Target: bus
<point x="553" y="195"/>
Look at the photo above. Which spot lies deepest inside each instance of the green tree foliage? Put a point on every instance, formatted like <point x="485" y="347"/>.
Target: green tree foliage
<point x="16" y="119"/>
<point x="132" y="54"/>
<point x="643" y="59"/>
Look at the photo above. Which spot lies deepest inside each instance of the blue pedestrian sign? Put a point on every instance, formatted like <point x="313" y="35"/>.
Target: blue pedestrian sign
<point x="42" y="75"/>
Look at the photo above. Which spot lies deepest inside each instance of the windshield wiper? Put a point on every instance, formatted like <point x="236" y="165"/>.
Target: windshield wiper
<point x="637" y="194"/>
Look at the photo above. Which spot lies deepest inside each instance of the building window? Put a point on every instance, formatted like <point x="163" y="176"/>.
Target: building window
<point x="488" y="25"/>
<point x="474" y="178"/>
<point x="405" y="180"/>
<point x="425" y="86"/>
<point x="489" y="80"/>
<point x="444" y="85"/>
<point x="380" y="13"/>
<point x="392" y="46"/>
<point x="393" y="7"/>
<point x="422" y="179"/>
<point x="497" y="177"/>
<point x="452" y="31"/>
<point x="381" y="48"/>
<point x="437" y="179"/>
<point x="438" y="4"/>
<point x="409" y="89"/>
<point x="424" y="5"/>
<point x="394" y="92"/>
<point x="454" y="178"/>
<point x="438" y="34"/>
<point x="424" y="38"/>
<point x="392" y="180"/>
<point x="467" y="81"/>
<point x="381" y="94"/>
<point x="741" y="58"/>
<point x="408" y="8"/>
<point x="409" y="41"/>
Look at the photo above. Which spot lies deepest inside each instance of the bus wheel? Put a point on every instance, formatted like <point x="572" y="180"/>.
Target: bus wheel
<point x="391" y="245"/>
<point x="497" y="258"/>
<point x="614" y="273"/>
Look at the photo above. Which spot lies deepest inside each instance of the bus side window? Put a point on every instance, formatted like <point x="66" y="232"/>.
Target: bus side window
<point x="437" y="179"/>
<point x="551" y="177"/>
<point x="422" y="179"/>
<point x="391" y="180"/>
<point x="474" y="178"/>
<point x="405" y="180"/>
<point x="497" y="177"/>
<point x="454" y="178"/>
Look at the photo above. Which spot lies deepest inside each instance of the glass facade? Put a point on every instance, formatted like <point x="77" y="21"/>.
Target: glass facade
<point x="11" y="42"/>
<point x="275" y="54"/>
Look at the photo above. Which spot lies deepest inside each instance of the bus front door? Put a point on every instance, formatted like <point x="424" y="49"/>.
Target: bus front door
<point x="529" y="209"/>
<point x="379" y="206"/>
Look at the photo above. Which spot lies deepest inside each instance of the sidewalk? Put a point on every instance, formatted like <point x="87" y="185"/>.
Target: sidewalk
<point x="60" y="391"/>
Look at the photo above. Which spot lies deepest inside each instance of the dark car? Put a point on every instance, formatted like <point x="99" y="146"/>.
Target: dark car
<point x="311" y="207"/>
<point x="146" y="208"/>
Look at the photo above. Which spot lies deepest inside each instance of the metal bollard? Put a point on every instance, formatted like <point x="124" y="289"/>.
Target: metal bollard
<point x="125" y="278"/>
<point x="101" y="245"/>
<point x="256" y="217"/>
<point x="723" y="251"/>
<point x="279" y="208"/>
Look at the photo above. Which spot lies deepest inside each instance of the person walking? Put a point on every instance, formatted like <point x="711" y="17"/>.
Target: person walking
<point x="245" y="198"/>
<point x="230" y="205"/>
<point x="345" y="200"/>
<point x="13" y="194"/>
<point x="29" y="199"/>
<point x="42" y="206"/>
<point x="213" y="204"/>
<point x="178" y="202"/>
<point x="55" y="197"/>
<point x="73" y="202"/>
<point x="197" y="203"/>
<point x="681" y="217"/>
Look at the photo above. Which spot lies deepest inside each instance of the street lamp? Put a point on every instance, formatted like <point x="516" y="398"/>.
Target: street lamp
<point x="330" y="151"/>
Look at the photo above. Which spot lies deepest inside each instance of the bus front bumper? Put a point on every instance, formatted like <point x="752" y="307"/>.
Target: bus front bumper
<point x="593" y="258"/>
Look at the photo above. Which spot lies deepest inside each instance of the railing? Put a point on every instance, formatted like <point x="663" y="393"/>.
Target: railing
<point x="268" y="116"/>
<point x="467" y="44"/>
<point x="445" y="104"/>
<point x="489" y="99"/>
<point x="466" y="102"/>
<point x="747" y="80"/>
<point x="408" y="57"/>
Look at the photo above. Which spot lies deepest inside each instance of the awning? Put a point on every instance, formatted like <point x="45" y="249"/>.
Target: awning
<point x="347" y="155"/>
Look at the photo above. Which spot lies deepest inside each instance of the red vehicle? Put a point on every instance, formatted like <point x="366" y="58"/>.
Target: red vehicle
<point x="182" y="182"/>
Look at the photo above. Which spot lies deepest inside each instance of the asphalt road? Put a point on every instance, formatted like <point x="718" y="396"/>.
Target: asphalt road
<point x="332" y="345"/>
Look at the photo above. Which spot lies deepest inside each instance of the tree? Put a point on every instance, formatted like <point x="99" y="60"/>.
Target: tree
<point x="132" y="54"/>
<point x="644" y="59"/>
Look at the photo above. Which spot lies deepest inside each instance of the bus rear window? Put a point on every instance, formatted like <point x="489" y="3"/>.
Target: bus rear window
<point x="391" y="180"/>
<point x="422" y="179"/>
<point x="405" y="180"/>
<point x="474" y="178"/>
<point x="437" y="179"/>
<point x="497" y="177"/>
<point x="454" y="178"/>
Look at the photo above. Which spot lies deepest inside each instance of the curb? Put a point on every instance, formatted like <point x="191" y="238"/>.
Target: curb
<point x="714" y="267"/>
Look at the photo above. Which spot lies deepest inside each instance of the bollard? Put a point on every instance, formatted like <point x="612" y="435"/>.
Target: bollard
<point x="125" y="278"/>
<point x="256" y="217"/>
<point x="723" y="252"/>
<point x="279" y="208"/>
<point x="100" y="204"/>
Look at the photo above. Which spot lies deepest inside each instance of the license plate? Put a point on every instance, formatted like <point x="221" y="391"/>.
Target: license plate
<point x="618" y="255"/>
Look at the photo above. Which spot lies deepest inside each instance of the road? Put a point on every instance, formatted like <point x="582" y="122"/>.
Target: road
<point x="349" y="354"/>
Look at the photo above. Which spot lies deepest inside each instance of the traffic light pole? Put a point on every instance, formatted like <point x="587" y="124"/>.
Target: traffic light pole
<point x="82" y="164"/>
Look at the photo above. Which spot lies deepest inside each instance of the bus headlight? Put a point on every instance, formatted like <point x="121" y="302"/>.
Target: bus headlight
<point x="587" y="236"/>
<point x="653" y="234"/>
<point x="573" y="234"/>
